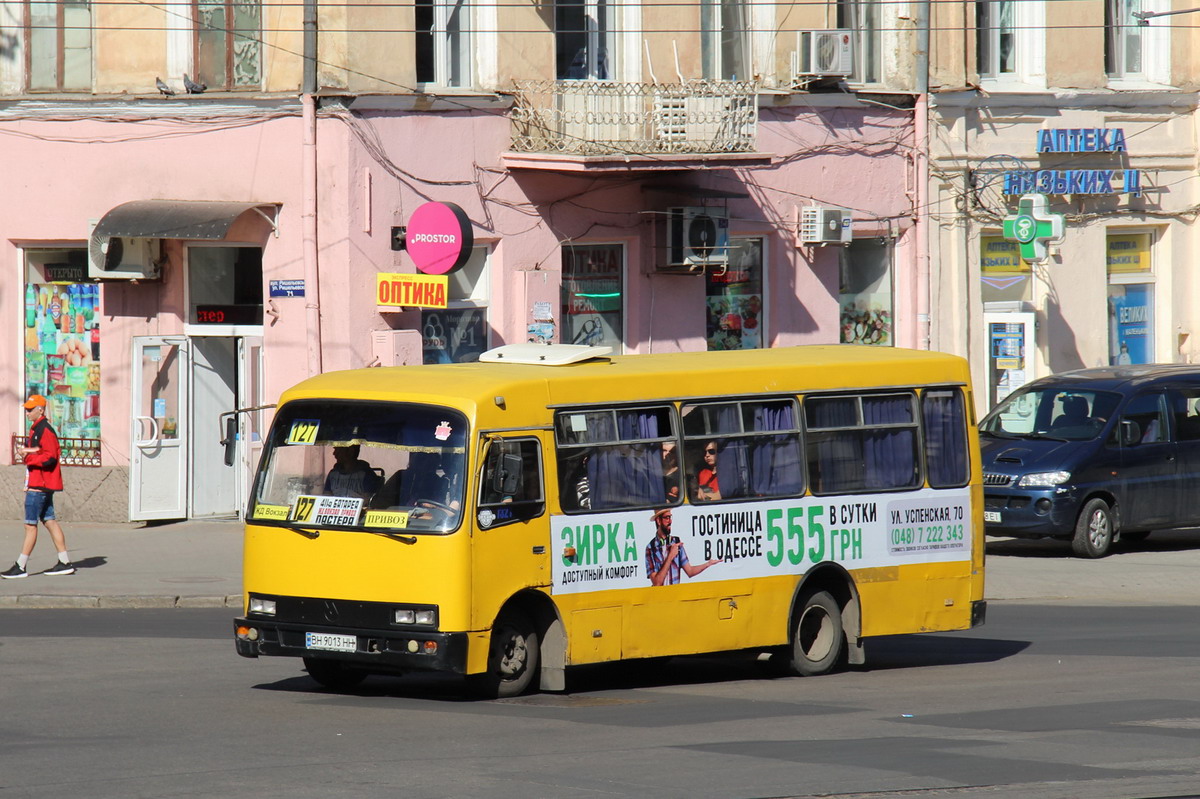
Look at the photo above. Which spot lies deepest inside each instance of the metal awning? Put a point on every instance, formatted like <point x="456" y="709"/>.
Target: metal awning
<point x="178" y="219"/>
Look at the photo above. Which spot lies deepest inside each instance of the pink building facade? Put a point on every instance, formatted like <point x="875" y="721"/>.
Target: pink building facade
<point x="254" y="235"/>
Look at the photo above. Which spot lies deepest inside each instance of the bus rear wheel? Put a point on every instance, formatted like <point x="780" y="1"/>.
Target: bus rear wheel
<point x="512" y="658"/>
<point x="333" y="674"/>
<point x="818" y="640"/>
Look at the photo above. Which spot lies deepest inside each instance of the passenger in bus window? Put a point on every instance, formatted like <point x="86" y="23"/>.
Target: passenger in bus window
<point x="582" y="487"/>
<point x="351" y="477"/>
<point x="670" y="458"/>
<point x="707" y="489"/>
<point x="665" y="555"/>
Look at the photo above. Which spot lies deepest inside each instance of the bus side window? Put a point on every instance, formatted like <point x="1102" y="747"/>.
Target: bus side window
<point x="742" y="450"/>
<point x="862" y="442"/>
<point x="614" y="459"/>
<point x="574" y="491"/>
<point x="512" y="481"/>
<point x="944" y="418"/>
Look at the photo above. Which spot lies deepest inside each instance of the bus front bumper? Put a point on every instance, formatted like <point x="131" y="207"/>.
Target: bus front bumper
<point x="371" y="650"/>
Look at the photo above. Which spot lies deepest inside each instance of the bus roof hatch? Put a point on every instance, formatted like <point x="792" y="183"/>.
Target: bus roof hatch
<point x="543" y="354"/>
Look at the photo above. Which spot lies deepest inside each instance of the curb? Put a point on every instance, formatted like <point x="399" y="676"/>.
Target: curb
<point x="128" y="602"/>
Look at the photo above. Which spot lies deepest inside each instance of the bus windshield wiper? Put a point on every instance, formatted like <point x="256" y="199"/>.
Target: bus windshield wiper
<point x="403" y="539"/>
<point x="303" y="531"/>
<point x="1000" y="434"/>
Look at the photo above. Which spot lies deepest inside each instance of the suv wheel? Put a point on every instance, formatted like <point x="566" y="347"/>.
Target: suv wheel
<point x="1093" y="530"/>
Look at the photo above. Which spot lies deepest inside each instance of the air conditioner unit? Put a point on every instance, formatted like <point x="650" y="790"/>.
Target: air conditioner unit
<point x="820" y="53"/>
<point x="697" y="237"/>
<point x="822" y="225"/>
<point x="120" y="258"/>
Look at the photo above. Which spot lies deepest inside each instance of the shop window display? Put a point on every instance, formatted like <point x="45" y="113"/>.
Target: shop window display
<point x="734" y="299"/>
<point x="1130" y="298"/>
<point x="62" y="350"/>
<point x="865" y="293"/>
<point x="458" y="333"/>
<point x="1004" y="275"/>
<point x="592" y="294"/>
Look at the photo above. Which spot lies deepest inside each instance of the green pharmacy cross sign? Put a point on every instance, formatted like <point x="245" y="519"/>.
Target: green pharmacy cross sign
<point x="1034" y="227"/>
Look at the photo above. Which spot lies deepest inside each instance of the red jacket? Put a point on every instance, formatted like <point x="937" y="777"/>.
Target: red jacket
<point x="42" y="466"/>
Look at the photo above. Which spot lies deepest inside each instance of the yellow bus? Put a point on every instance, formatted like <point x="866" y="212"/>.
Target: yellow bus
<point x="551" y="506"/>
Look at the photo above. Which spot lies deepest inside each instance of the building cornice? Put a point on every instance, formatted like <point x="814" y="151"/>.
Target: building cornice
<point x="103" y="108"/>
<point x="1072" y="99"/>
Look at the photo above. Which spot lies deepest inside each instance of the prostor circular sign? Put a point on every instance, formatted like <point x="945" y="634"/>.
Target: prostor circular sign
<point x="439" y="238"/>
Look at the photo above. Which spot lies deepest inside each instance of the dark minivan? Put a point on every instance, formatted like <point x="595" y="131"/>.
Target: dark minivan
<point x="1094" y="455"/>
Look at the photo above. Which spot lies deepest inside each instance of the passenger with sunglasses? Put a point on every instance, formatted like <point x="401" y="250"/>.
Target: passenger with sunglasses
<point x="707" y="489"/>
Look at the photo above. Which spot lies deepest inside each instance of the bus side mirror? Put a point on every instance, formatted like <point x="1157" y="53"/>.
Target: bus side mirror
<point x="230" y="439"/>
<point x="1131" y="434"/>
<point x="506" y="479"/>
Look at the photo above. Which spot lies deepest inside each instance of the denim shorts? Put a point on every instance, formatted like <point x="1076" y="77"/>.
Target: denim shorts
<point x="39" y="506"/>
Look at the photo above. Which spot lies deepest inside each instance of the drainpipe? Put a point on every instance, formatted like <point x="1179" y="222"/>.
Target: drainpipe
<point x="921" y="130"/>
<point x="308" y="176"/>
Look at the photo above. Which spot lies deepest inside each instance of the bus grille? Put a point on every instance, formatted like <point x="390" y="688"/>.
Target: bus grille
<point x="996" y="479"/>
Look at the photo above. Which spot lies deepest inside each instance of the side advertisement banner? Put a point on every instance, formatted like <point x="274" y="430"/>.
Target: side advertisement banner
<point x="604" y="551"/>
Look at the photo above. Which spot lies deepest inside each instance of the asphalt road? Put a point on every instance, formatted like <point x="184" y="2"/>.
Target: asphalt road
<point x="1081" y="684"/>
<point x="1049" y="700"/>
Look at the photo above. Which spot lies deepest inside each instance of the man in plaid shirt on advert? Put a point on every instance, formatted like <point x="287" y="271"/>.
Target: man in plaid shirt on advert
<point x="665" y="555"/>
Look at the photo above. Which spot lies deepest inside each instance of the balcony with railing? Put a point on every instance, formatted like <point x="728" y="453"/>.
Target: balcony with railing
<point x="579" y="124"/>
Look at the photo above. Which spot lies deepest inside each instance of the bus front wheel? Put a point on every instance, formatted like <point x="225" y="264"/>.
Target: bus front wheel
<point x="333" y="674"/>
<point x="818" y="640"/>
<point x="512" y="658"/>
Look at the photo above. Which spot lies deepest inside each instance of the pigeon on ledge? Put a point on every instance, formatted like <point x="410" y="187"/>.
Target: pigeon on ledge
<point x="164" y="88"/>
<point x="193" y="87"/>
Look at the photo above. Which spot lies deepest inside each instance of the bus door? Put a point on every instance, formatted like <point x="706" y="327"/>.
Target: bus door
<point x="510" y="550"/>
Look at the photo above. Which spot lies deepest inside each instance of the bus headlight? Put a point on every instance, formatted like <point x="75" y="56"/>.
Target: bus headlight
<point x="1044" y="479"/>
<point x="264" y="606"/>
<point x="425" y="616"/>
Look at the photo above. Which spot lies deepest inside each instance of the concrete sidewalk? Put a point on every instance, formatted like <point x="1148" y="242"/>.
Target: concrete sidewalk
<point x="181" y="564"/>
<point x="199" y="564"/>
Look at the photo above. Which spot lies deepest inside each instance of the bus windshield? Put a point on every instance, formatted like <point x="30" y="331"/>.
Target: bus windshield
<point x="362" y="465"/>
<point x="1059" y="412"/>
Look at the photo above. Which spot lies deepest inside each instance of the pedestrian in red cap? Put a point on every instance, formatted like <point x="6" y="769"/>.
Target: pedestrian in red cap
<point x="43" y="476"/>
